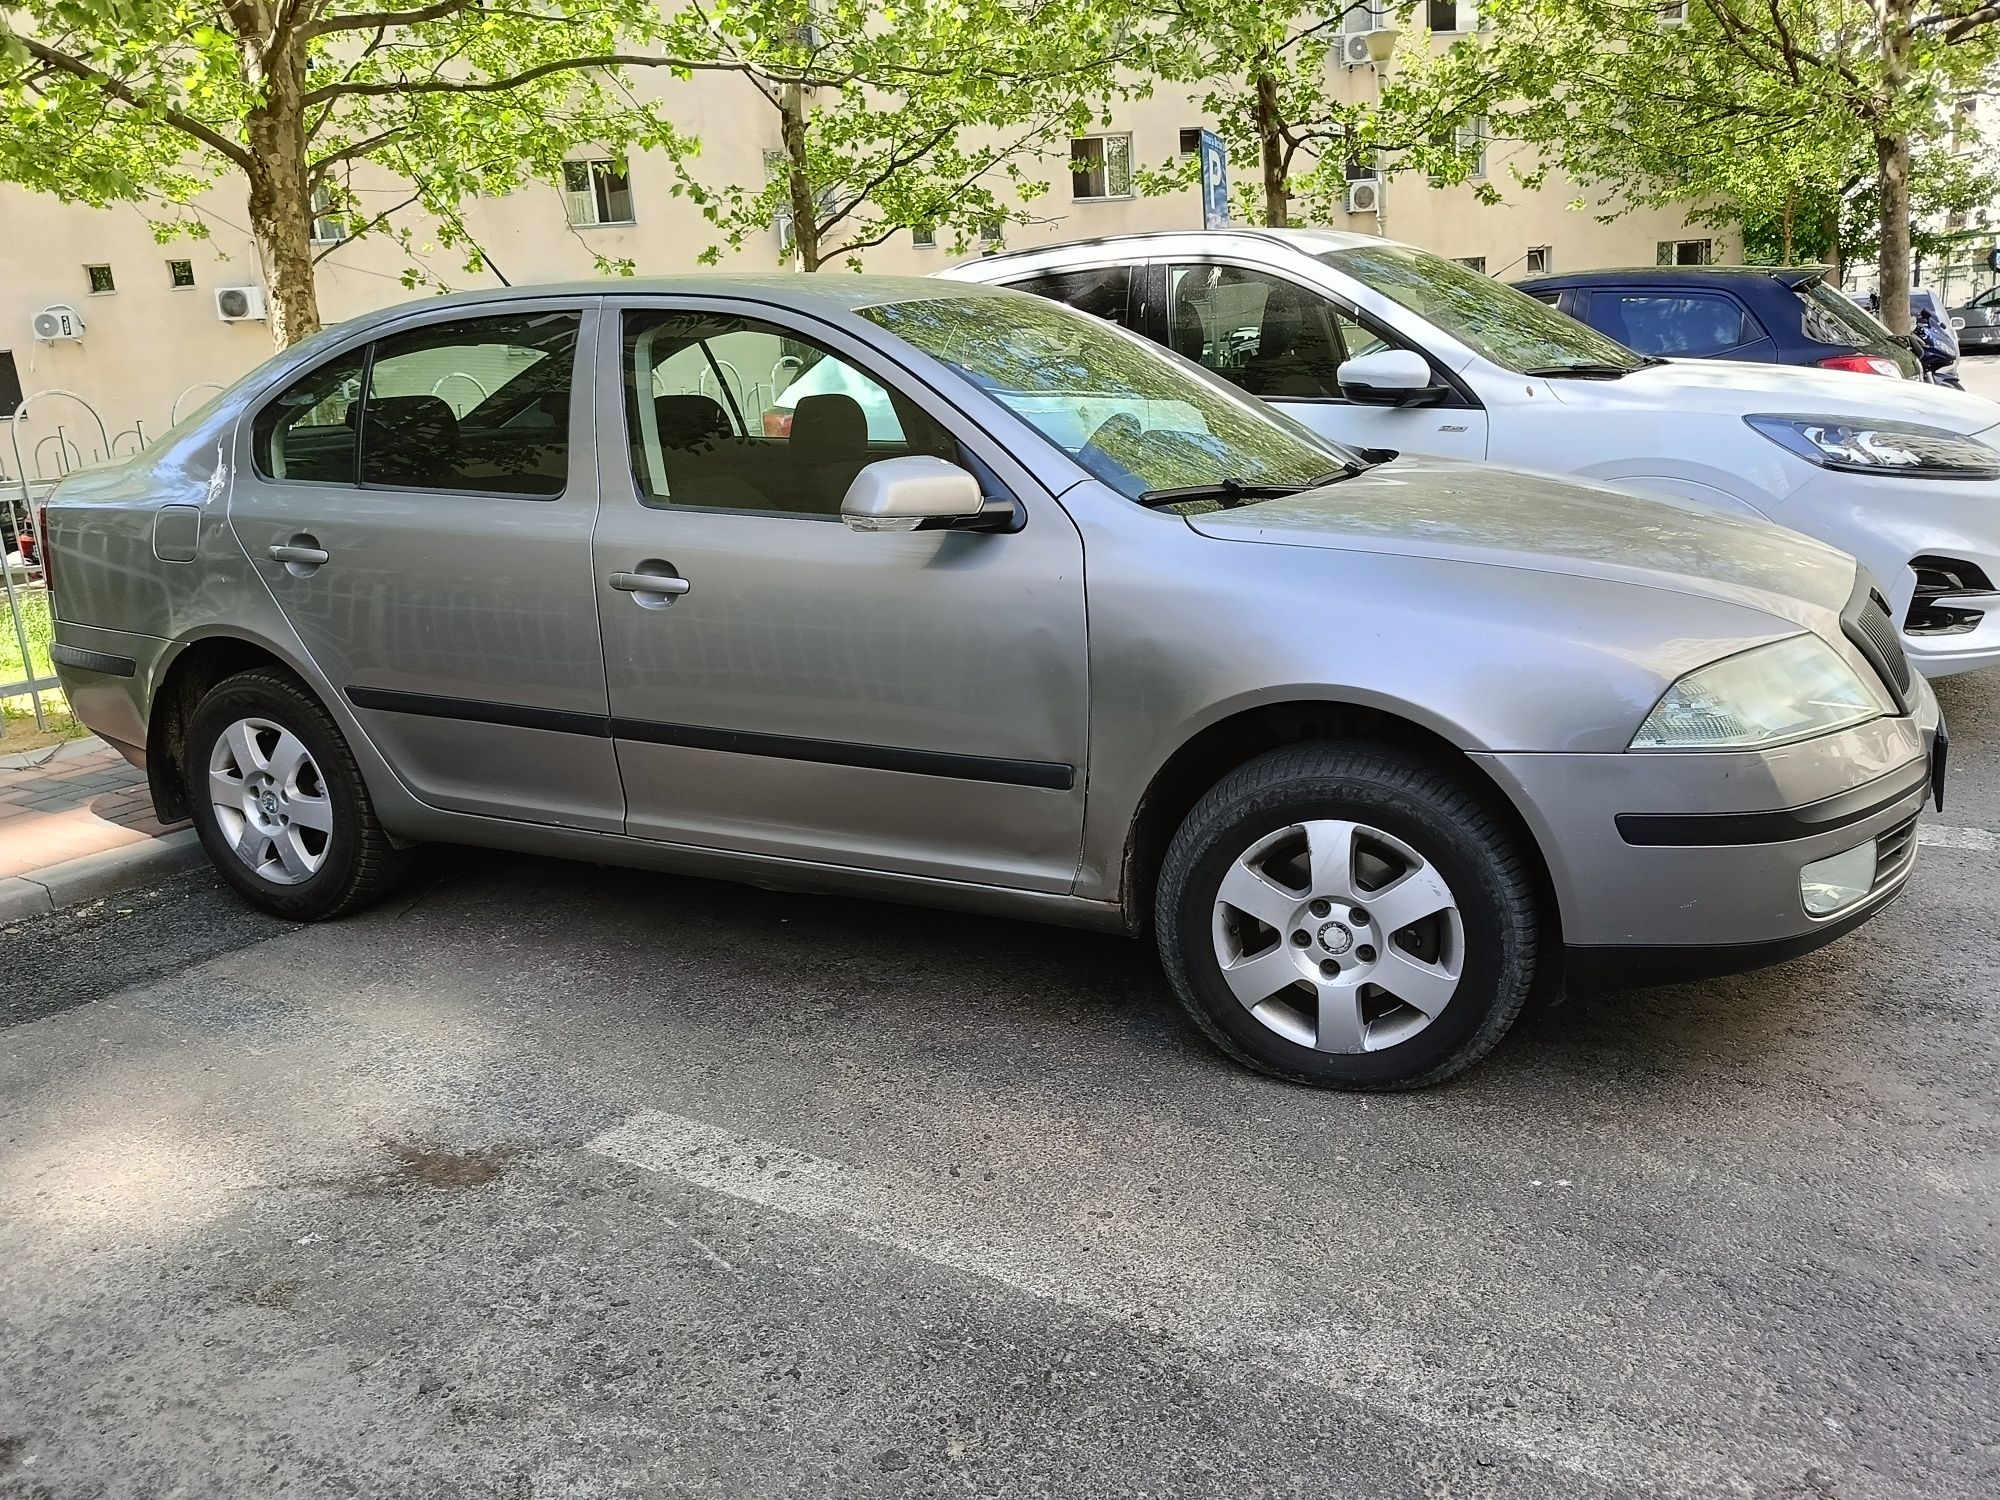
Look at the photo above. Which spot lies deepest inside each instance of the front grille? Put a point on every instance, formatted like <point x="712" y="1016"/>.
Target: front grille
<point x="1895" y="853"/>
<point x="1872" y="628"/>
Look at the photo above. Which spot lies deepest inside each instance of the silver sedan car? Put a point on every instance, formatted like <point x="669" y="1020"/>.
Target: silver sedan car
<point x="950" y="595"/>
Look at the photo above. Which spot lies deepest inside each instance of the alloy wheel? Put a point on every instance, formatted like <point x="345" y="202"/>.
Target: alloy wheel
<point x="270" y="801"/>
<point x="1338" y="936"/>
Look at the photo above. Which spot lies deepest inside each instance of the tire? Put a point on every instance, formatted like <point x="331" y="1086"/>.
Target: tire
<point x="301" y="812"/>
<point x="1318" y="989"/>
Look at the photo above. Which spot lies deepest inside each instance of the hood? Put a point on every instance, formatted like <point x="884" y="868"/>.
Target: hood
<point x="1509" y="518"/>
<point x="1741" y="388"/>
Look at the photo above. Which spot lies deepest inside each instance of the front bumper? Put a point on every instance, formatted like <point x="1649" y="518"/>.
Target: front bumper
<point x="1672" y="864"/>
<point x="1888" y="523"/>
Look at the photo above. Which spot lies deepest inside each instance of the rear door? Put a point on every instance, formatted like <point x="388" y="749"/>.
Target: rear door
<point x="909" y="702"/>
<point x="420" y="508"/>
<point x="1285" y="340"/>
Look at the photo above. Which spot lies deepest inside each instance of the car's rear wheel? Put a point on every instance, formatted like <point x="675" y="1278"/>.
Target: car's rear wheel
<point x="279" y="803"/>
<point x="1350" y="916"/>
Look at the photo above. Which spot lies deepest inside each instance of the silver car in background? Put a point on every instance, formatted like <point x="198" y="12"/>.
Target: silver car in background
<point x="949" y="595"/>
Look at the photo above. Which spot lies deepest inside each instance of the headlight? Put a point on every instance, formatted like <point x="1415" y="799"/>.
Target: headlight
<point x="1769" y="695"/>
<point x="1864" y="447"/>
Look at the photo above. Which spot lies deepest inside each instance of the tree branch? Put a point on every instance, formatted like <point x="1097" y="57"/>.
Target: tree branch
<point x="187" y="124"/>
<point x="544" y="70"/>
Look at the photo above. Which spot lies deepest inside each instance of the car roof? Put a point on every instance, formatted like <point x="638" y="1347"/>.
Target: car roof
<point x="1790" y="276"/>
<point x="821" y="291"/>
<point x="1308" y="241"/>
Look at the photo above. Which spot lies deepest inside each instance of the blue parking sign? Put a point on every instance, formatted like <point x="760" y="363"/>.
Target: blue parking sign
<point x="1214" y="181"/>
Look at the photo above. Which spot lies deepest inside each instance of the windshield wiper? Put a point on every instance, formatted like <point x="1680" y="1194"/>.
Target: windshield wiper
<point x="1592" y="371"/>
<point x="1230" y="492"/>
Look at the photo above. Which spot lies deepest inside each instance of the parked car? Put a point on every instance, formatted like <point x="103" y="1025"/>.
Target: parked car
<point x="1785" y="316"/>
<point x="1385" y="346"/>
<point x="1977" y="324"/>
<point x="1368" y="746"/>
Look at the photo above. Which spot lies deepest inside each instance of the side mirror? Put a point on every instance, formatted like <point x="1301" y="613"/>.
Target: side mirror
<point x="1389" y="377"/>
<point x="918" y="493"/>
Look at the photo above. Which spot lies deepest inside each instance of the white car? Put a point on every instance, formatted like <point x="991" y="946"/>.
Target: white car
<point x="1381" y="345"/>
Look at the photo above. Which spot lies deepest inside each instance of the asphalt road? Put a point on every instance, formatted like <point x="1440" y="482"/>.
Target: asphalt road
<point x="545" y="1180"/>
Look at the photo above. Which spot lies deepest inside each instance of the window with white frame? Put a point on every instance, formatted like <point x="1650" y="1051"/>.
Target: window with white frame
<point x="1100" y="166"/>
<point x="328" y="227"/>
<point x="1683" y="252"/>
<point x="1539" y="259"/>
<point x="1451" y="15"/>
<point x="596" y="192"/>
<point x="923" y="236"/>
<point x="1365" y="15"/>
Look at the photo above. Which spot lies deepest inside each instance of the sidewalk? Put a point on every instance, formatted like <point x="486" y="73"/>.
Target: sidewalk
<point x="76" y="822"/>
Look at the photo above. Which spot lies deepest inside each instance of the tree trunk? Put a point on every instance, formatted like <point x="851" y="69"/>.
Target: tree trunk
<point x="1271" y="151"/>
<point x="1834" y="254"/>
<point x="1892" y="166"/>
<point x="280" y="200"/>
<point x="1785" y="253"/>
<point x="798" y="182"/>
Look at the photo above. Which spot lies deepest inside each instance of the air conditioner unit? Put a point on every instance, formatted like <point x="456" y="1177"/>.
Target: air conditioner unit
<point x="239" y="304"/>
<point x="58" y="322"/>
<point x="1364" y="196"/>
<point x="1354" y="49"/>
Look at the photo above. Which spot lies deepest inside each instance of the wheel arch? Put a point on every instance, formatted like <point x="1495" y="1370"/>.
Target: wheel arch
<point x="1219" y="747"/>
<point x="194" y="668"/>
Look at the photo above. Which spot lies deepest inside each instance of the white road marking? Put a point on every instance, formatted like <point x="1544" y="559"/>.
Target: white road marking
<point x="1120" y="1278"/>
<point x="1983" y="840"/>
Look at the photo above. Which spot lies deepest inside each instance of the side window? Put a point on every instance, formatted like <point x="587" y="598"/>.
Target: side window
<point x="1270" y="336"/>
<point x="479" y="405"/>
<point x="1685" y="323"/>
<point x="1102" y="291"/>
<point x="738" y="414"/>
<point x="308" y="432"/>
<point x="1988" y="298"/>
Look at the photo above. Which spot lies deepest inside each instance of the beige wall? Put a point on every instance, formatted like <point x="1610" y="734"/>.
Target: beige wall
<point x="146" y="344"/>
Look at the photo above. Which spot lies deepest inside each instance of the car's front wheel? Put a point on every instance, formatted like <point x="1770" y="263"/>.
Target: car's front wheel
<point x="279" y="803"/>
<point x="1349" y="916"/>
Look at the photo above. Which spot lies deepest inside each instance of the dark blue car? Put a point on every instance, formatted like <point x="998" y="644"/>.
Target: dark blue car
<point x="1773" y="315"/>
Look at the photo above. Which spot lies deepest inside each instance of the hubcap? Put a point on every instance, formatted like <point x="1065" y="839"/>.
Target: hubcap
<point x="270" y="801"/>
<point x="1338" y="937"/>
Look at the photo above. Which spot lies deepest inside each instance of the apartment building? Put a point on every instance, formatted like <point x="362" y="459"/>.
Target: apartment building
<point x="92" y="304"/>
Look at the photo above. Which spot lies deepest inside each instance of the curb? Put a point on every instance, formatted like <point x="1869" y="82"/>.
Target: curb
<point x="94" y="875"/>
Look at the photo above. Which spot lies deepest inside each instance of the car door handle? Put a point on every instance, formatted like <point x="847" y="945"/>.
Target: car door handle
<point x="291" y="552"/>
<point x="649" y="583"/>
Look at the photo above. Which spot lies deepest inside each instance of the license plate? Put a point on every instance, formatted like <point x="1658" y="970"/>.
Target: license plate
<point x="1940" y="747"/>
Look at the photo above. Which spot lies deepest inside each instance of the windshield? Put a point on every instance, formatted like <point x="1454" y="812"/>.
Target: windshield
<point x="1138" y="418"/>
<point x="1489" y="317"/>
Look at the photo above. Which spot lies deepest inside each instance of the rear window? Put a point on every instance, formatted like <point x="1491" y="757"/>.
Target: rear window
<point x="1831" y="318"/>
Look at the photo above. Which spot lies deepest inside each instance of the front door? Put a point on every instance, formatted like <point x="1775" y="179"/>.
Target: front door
<point x="420" y="509"/>
<point x="1285" y="341"/>
<point x="900" y="701"/>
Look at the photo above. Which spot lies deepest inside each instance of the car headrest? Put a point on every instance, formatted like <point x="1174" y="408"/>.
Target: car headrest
<point x="689" y="421"/>
<point x="829" y="427"/>
<point x="412" y="420"/>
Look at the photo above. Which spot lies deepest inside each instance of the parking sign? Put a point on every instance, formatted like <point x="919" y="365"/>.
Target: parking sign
<point x="1214" y="181"/>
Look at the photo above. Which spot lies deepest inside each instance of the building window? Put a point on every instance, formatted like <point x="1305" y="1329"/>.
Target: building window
<point x="1538" y="260"/>
<point x="180" y="273"/>
<point x="989" y="232"/>
<point x="1100" y="166"/>
<point x="1683" y="252"/>
<point x="1673" y="13"/>
<point x="1372" y="16"/>
<point x="100" y="279"/>
<point x="10" y="384"/>
<point x="1449" y="15"/>
<point x="1191" y="140"/>
<point x="328" y="227"/>
<point x="596" y="192"/>
<point x="923" y="236"/>
<point x="1473" y="263"/>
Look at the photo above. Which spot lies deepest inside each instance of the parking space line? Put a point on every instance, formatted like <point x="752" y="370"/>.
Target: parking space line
<point x="1117" y="1278"/>
<point x="1980" y="840"/>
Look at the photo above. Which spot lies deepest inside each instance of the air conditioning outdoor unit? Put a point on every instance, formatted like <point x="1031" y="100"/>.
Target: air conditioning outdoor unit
<point x="239" y="304"/>
<point x="1364" y="196"/>
<point x="1354" y="49"/>
<point x="57" y="322"/>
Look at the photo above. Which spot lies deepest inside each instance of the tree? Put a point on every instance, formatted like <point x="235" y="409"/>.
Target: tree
<point x="1268" y="71"/>
<point x="946" y="105"/>
<point x="1764" y="108"/>
<point x="153" y="101"/>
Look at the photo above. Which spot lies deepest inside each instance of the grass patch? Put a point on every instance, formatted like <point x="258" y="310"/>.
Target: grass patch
<point x="17" y="715"/>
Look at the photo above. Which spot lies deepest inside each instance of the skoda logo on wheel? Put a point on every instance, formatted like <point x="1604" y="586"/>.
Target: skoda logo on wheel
<point x="1335" y="938"/>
